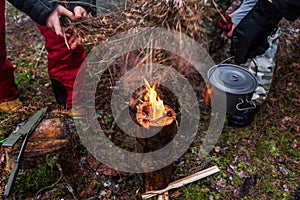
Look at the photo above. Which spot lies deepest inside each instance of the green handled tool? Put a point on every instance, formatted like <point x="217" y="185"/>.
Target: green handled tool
<point x="28" y="127"/>
<point x="26" y="130"/>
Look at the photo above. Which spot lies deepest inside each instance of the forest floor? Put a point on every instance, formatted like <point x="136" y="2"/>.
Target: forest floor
<point x="260" y="161"/>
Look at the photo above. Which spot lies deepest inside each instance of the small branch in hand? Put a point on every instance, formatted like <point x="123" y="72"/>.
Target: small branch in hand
<point x="66" y="41"/>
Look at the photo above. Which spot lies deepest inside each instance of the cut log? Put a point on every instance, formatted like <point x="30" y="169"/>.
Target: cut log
<point x="48" y="138"/>
<point x="165" y="128"/>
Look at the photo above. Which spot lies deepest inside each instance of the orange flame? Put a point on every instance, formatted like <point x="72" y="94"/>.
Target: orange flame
<point x="157" y="105"/>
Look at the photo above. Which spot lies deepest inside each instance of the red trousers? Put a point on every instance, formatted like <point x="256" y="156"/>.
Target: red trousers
<point x="8" y="89"/>
<point x="63" y="65"/>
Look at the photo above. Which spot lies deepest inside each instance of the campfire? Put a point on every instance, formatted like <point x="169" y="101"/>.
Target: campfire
<point x="157" y="105"/>
<point x="153" y="112"/>
<point x="155" y="117"/>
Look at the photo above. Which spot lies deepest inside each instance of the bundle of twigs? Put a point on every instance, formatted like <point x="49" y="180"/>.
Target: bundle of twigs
<point x="92" y="30"/>
<point x="192" y="18"/>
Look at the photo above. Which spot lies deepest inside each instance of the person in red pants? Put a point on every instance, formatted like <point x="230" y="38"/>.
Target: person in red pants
<point x="63" y="63"/>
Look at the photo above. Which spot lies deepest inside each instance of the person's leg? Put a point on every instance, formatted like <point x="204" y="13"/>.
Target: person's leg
<point x="63" y="65"/>
<point x="8" y="90"/>
<point x="263" y="69"/>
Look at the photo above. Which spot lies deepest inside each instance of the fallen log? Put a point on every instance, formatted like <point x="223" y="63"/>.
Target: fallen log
<point x="50" y="137"/>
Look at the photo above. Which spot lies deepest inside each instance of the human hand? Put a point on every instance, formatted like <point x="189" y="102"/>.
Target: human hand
<point x="73" y="40"/>
<point x="230" y="33"/>
<point x="53" y="22"/>
<point x="80" y="12"/>
<point x="224" y="23"/>
<point x="250" y="35"/>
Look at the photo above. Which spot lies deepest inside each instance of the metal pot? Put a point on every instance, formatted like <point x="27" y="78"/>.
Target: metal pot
<point x="230" y="86"/>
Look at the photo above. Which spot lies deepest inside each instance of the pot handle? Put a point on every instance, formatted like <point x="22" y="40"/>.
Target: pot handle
<point x="224" y="61"/>
<point x="246" y="108"/>
<point x="252" y="59"/>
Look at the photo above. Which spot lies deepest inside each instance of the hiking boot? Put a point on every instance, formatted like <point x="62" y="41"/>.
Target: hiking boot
<point x="11" y="106"/>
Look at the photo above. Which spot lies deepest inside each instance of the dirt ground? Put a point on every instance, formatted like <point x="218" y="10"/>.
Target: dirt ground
<point x="261" y="161"/>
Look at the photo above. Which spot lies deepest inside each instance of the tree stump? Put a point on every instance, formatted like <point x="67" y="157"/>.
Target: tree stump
<point x="48" y="138"/>
<point x="165" y="128"/>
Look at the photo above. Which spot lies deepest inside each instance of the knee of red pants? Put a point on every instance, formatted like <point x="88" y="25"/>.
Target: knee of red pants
<point x="63" y="65"/>
<point x="8" y="88"/>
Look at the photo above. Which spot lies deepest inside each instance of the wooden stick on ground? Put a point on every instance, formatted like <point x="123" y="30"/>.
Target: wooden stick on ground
<point x="183" y="181"/>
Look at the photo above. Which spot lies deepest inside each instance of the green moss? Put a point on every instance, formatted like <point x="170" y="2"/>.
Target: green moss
<point x="29" y="182"/>
<point x="193" y="192"/>
<point x="271" y="191"/>
<point x="23" y="77"/>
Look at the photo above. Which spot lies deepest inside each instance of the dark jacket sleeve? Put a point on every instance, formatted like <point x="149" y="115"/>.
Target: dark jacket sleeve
<point x="38" y="10"/>
<point x="87" y="4"/>
<point x="289" y="9"/>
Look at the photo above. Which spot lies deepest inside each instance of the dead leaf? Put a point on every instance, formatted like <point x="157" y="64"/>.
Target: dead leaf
<point x="108" y="194"/>
<point x="294" y="145"/>
<point x="108" y="171"/>
<point x="175" y="194"/>
<point x="92" y="162"/>
<point x="282" y="127"/>
<point x="286" y="119"/>
<point x="276" y="183"/>
<point x="91" y="186"/>
<point x="101" y="168"/>
<point x="296" y="128"/>
<point x="205" y="190"/>
<point x="221" y="183"/>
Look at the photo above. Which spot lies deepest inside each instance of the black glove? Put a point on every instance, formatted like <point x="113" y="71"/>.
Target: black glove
<point x="250" y="36"/>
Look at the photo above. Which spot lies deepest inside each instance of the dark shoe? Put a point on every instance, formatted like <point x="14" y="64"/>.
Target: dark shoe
<point x="243" y="119"/>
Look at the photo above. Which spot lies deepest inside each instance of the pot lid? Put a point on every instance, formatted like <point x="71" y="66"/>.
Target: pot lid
<point x="232" y="79"/>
